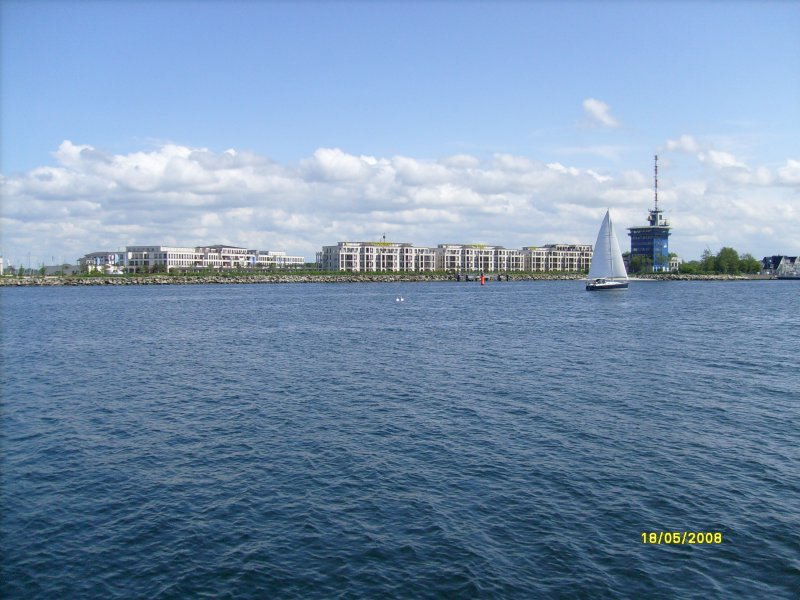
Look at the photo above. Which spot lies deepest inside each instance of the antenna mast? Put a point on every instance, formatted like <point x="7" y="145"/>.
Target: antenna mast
<point x="656" y="180"/>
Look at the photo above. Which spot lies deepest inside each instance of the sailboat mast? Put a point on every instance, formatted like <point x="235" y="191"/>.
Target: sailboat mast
<point x="608" y="243"/>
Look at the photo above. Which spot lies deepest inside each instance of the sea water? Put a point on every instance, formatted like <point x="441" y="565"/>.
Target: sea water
<point x="513" y="440"/>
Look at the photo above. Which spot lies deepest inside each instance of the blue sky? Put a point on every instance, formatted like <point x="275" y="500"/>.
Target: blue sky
<point x="287" y="126"/>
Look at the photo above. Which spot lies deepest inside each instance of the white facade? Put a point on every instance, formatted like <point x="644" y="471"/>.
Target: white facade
<point x="370" y="257"/>
<point x="146" y="258"/>
<point x="269" y="259"/>
<point x="109" y="263"/>
<point x="469" y="257"/>
<point x="788" y="267"/>
<point x="167" y="258"/>
<point x="558" y="257"/>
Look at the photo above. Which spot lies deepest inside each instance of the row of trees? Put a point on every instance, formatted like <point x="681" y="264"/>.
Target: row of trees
<point x="727" y="261"/>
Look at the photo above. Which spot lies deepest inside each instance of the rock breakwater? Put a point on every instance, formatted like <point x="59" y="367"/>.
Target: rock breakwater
<point x="261" y="278"/>
<point x="325" y="278"/>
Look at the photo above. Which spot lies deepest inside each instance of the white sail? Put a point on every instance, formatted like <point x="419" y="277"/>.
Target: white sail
<point x="607" y="257"/>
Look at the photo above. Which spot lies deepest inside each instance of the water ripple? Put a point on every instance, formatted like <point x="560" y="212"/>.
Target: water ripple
<point x="323" y="441"/>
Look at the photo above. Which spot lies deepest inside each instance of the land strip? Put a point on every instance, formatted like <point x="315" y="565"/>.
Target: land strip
<point x="56" y="280"/>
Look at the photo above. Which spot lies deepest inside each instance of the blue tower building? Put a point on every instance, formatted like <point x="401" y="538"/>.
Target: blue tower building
<point x="652" y="241"/>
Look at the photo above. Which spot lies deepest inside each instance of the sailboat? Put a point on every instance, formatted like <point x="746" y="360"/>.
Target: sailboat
<point x="607" y="271"/>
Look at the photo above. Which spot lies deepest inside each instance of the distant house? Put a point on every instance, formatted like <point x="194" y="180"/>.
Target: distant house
<point x="790" y="266"/>
<point x="780" y="265"/>
<point x="108" y="262"/>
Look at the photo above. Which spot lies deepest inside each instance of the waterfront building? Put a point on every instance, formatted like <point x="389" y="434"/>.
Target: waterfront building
<point x="166" y="258"/>
<point x="137" y="259"/>
<point x="366" y="257"/>
<point x="273" y="259"/>
<point x="468" y="257"/>
<point x="557" y="257"/>
<point x="108" y="262"/>
<point x="652" y="241"/>
<point x="508" y="259"/>
<point x="780" y="265"/>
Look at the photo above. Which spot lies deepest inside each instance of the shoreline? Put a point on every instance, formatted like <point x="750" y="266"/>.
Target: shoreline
<point x="273" y="278"/>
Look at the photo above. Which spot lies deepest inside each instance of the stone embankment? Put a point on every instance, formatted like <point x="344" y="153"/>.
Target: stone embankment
<point x="328" y="278"/>
<point x="699" y="277"/>
<point x="271" y="278"/>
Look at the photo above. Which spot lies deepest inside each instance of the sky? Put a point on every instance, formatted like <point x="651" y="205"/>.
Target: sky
<point x="292" y="125"/>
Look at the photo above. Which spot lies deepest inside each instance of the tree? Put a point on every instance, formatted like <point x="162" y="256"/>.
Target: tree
<point x="748" y="264"/>
<point x="641" y="264"/>
<point x="708" y="262"/>
<point x="727" y="261"/>
<point x="692" y="267"/>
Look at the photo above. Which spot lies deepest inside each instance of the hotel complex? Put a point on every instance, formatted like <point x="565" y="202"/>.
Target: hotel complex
<point x="405" y="257"/>
<point x="356" y="257"/>
<point x="137" y="259"/>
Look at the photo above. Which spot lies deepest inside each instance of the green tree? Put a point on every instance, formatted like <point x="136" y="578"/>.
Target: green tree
<point x="641" y="264"/>
<point x="708" y="262"/>
<point x="692" y="267"/>
<point x="727" y="261"/>
<point x="749" y="264"/>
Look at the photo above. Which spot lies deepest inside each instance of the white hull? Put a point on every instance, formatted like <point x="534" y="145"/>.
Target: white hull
<point x="597" y="285"/>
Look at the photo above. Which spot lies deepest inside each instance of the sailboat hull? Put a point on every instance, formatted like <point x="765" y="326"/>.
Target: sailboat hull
<point x="601" y="285"/>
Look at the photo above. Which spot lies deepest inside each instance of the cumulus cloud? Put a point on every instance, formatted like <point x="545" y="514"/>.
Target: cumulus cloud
<point x="599" y="112"/>
<point x="685" y="143"/>
<point x="790" y="174"/>
<point x="91" y="200"/>
<point x="721" y="160"/>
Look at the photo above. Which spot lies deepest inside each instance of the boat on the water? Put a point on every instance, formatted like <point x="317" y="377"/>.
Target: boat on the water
<point x="607" y="270"/>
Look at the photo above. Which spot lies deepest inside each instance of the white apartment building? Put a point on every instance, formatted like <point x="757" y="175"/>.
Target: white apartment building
<point x="110" y="263"/>
<point x="167" y="258"/>
<point x="369" y="257"/>
<point x="478" y="258"/>
<point x="272" y="259"/>
<point x="557" y="257"/>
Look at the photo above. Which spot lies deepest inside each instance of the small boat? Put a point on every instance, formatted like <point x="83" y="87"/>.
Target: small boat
<point x="607" y="271"/>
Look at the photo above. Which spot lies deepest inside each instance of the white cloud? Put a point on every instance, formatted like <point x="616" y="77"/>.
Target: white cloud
<point x="790" y="174"/>
<point x="91" y="200"/>
<point x="600" y="112"/>
<point x="686" y="143"/>
<point x="721" y="160"/>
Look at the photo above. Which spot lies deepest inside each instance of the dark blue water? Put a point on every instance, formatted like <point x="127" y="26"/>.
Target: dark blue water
<point x="326" y="441"/>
